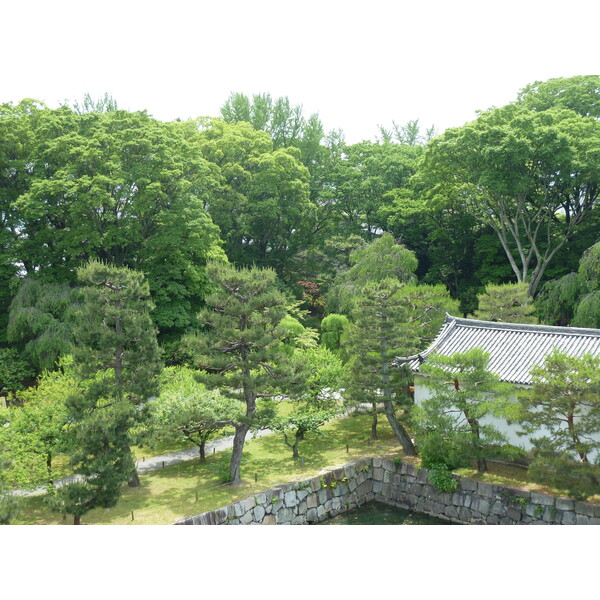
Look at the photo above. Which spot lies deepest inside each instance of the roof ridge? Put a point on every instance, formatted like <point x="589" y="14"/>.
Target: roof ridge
<point x="552" y="329"/>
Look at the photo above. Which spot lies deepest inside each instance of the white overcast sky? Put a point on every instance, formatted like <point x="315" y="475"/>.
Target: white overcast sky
<point x="358" y="64"/>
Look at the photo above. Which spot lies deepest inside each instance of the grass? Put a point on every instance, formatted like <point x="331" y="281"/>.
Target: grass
<point x="169" y="494"/>
<point x="513" y="476"/>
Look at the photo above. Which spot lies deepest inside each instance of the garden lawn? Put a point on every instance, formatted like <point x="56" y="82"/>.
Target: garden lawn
<point x="189" y="488"/>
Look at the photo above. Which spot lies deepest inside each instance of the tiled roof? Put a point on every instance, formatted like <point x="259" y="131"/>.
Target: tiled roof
<point x="513" y="348"/>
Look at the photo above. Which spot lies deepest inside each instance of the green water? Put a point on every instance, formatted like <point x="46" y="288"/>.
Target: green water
<point x="374" y="513"/>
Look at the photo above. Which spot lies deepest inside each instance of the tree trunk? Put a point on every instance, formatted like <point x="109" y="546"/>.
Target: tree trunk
<point x="474" y="425"/>
<point x="374" y="423"/>
<point x="201" y="449"/>
<point x="399" y="431"/>
<point x="236" y="455"/>
<point x="76" y="519"/>
<point x="135" y="480"/>
<point x="49" y="468"/>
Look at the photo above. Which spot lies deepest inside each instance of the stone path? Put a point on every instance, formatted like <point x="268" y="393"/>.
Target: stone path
<point x="158" y="462"/>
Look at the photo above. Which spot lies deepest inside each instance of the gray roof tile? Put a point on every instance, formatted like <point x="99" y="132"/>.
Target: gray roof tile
<point x="514" y="348"/>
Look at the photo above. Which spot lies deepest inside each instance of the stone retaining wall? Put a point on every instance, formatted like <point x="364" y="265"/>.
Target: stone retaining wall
<point x="402" y="485"/>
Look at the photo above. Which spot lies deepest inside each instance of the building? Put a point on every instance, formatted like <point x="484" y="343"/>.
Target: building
<point x="513" y="348"/>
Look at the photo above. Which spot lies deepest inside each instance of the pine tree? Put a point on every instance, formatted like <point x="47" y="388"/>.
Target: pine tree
<point x="241" y="350"/>
<point x="116" y="357"/>
<point x="380" y="334"/>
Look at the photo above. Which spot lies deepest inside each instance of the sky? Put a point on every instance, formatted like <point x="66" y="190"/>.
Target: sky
<point x="358" y="64"/>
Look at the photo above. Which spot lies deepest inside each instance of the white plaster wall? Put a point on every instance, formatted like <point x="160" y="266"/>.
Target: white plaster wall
<point x="422" y="392"/>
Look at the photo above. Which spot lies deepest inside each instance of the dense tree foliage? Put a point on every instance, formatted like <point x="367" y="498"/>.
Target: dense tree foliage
<point x="564" y="404"/>
<point x="464" y="392"/>
<point x="530" y="174"/>
<point x="371" y="242"/>
<point x="117" y="363"/>
<point x="240" y="350"/>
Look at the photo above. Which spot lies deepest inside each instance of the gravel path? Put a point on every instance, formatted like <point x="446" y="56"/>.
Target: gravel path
<point x="157" y="462"/>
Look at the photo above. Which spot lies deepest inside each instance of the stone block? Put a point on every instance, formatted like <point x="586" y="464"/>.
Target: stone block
<point x="269" y="520"/>
<point x="290" y="499"/>
<point x="320" y="512"/>
<point x="466" y="484"/>
<point x="464" y="514"/>
<point x="386" y="490"/>
<point x="451" y="512"/>
<point x="583" y="520"/>
<point x="514" y="514"/>
<point x="497" y="508"/>
<point x="429" y="491"/>
<point x="422" y="475"/>
<point x="301" y="494"/>
<point x="584" y="508"/>
<point x="248" y="504"/>
<point x="481" y="505"/>
<point x="569" y="518"/>
<point x="299" y="520"/>
<point x="311" y="501"/>
<point x="377" y="474"/>
<point x="415" y="489"/>
<point x="485" y="489"/>
<point x="542" y="499"/>
<point x="493" y="520"/>
<point x="408" y="469"/>
<point x="247" y="518"/>
<point x="302" y="508"/>
<point x="594" y="520"/>
<point x="349" y="471"/>
<point x="377" y="487"/>
<point x="284" y="516"/>
<point x="276" y="507"/>
<point x="388" y="465"/>
<point x="259" y="514"/>
<point x="352" y="484"/>
<point x="565" y="503"/>
<point x="315" y="484"/>
<point x="377" y="462"/>
<point x="311" y="515"/>
<point x="220" y="516"/>
<point x="322" y="496"/>
<point x="597" y="510"/>
<point x="444" y="497"/>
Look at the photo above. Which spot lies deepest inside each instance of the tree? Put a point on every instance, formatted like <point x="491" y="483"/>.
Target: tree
<point x="263" y="208"/>
<point x="301" y="421"/>
<point x="119" y="187"/>
<point x="13" y="371"/>
<point x="507" y="303"/>
<point x="556" y="300"/>
<point x="381" y="259"/>
<point x="464" y="393"/>
<point x="36" y="428"/>
<point x="531" y="175"/>
<point x="561" y="416"/>
<point x="587" y="313"/>
<point x="40" y="316"/>
<point x="377" y="337"/>
<point x="117" y="361"/>
<point x="333" y="328"/>
<point x="185" y="409"/>
<point x="241" y="348"/>
<point x="318" y="403"/>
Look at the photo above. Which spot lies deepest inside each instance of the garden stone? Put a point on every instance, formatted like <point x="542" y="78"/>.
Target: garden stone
<point x="259" y="513"/>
